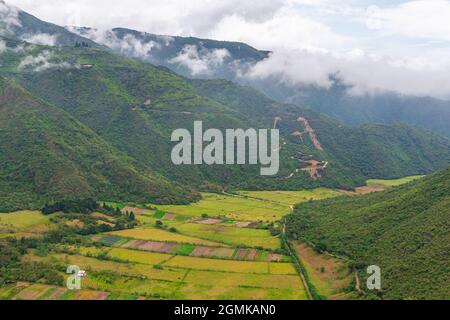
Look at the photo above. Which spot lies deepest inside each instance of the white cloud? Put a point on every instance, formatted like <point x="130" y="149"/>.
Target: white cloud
<point x="286" y="29"/>
<point x="423" y="18"/>
<point x="43" y="61"/>
<point x="9" y="15"/>
<point x="41" y="39"/>
<point x="201" y="62"/>
<point x="366" y="73"/>
<point x="380" y="48"/>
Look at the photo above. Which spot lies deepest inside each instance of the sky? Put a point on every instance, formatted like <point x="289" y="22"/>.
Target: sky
<point x="380" y="44"/>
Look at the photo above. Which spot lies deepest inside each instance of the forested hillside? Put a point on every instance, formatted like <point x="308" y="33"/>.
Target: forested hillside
<point x="48" y="155"/>
<point x="404" y="231"/>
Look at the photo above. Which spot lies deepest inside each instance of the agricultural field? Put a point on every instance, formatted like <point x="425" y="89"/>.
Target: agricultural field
<point x="29" y="291"/>
<point x="232" y="207"/>
<point x="290" y="198"/>
<point x="23" y="224"/>
<point x="392" y="183"/>
<point x="223" y="247"/>
<point x="330" y="276"/>
<point x="155" y="234"/>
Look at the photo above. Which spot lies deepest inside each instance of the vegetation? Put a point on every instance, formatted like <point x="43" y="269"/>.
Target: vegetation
<point x="403" y="230"/>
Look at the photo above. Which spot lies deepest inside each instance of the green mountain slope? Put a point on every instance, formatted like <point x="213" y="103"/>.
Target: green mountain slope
<point x="135" y="106"/>
<point x="48" y="155"/>
<point x="389" y="151"/>
<point x="404" y="231"/>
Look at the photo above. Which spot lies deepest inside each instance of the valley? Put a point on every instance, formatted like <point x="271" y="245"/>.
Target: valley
<point x="227" y="246"/>
<point x="94" y="180"/>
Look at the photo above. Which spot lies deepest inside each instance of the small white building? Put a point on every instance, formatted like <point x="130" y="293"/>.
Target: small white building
<point x="82" y="274"/>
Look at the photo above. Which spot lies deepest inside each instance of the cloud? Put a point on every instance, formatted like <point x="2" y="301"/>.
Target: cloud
<point x="365" y="73"/>
<point x="399" y="45"/>
<point x="2" y="46"/>
<point x="41" y="39"/>
<point x="424" y="19"/>
<point x="201" y="62"/>
<point x="128" y="45"/>
<point x="9" y="15"/>
<point x="42" y="62"/>
<point x="287" y="28"/>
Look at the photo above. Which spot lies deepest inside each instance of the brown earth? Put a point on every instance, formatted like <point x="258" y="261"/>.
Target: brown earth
<point x="223" y="253"/>
<point x="200" y="251"/>
<point x="333" y="273"/>
<point x="315" y="168"/>
<point x="209" y="221"/>
<point x="311" y="132"/>
<point x="273" y="257"/>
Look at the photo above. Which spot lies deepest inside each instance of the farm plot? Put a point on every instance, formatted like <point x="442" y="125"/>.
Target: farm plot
<point x="231" y="235"/>
<point x="329" y="275"/>
<point x="28" y="291"/>
<point x="233" y="207"/>
<point x="203" y="251"/>
<point x="290" y="198"/>
<point x="23" y="223"/>
<point x="155" y="234"/>
<point x="233" y="266"/>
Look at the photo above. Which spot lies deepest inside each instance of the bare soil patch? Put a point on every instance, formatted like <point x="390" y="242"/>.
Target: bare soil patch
<point x="209" y="221"/>
<point x="200" y="251"/>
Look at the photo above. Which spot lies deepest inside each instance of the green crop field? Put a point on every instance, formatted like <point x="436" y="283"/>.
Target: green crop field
<point x="290" y="198"/>
<point x="234" y="207"/>
<point x="392" y="183"/>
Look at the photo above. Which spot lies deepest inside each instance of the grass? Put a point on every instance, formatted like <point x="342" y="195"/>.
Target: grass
<point x="329" y="275"/>
<point x="233" y="207"/>
<point x="392" y="183"/>
<point x="290" y="198"/>
<point x="23" y="220"/>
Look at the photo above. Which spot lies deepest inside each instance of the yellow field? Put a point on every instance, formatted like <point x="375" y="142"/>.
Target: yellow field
<point x="226" y="279"/>
<point x="231" y="235"/>
<point x="150" y="258"/>
<point x="154" y="234"/>
<point x="218" y="265"/>
<point x="282" y="268"/>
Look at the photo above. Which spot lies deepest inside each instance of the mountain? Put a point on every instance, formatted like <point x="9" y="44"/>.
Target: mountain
<point x="380" y="108"/>
<point x="404" y="231"/>
<point x="48" y="155"/>
<point x="184" y="55"/>
<point x="207" y="59"/>
<point x="133" y="107"/>
<point x="21" y="25"/>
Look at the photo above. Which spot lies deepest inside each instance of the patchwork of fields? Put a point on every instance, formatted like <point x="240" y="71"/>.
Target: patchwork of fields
<point x="222" y="247"/>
